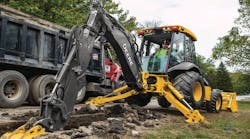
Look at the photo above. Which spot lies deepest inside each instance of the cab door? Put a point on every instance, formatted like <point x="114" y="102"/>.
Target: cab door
<point x="189" y="50"/>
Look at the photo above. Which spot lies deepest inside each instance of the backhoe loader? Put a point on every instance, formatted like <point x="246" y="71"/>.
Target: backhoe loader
<point x="143" y="78"/>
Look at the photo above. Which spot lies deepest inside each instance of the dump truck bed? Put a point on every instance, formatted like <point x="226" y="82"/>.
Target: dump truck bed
<point x="27" y="41"/>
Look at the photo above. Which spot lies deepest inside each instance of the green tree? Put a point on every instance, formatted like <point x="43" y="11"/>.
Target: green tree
<point x="235" y="46"/>
<point x="240" y="81"/>
<point x="223" y="80"/>
<point x="208" y="69"/>
<point x="69" y="12"/>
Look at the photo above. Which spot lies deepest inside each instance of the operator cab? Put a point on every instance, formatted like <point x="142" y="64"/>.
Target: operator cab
<point x="180" y="42"/>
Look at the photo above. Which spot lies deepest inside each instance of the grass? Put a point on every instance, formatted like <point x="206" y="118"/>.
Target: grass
<point x="222" y="126"/>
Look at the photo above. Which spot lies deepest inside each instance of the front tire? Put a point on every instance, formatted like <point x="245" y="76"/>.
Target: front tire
<point x="215" y="103"/>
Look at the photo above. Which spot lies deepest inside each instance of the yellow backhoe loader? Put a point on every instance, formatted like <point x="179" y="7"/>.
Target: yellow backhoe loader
<point x="173" y="77"/>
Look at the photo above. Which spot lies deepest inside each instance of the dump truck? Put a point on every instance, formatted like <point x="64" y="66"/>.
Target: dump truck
<point x="142" y="75"/>
<point x="32" y="51"/>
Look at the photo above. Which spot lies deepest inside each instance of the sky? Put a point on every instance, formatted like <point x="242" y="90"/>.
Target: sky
<point x="208" y="19"/>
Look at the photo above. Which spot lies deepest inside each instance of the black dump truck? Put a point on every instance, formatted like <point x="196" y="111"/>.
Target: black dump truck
<point x="31" y="52"/>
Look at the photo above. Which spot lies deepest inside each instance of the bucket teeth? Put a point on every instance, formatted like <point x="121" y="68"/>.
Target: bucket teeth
<point x="25" y="131"/>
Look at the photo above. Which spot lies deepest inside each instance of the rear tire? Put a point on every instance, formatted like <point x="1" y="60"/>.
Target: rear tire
<point x="191" y="85"/>
<point x="30" y="98"/>
<point x="13" y="89"/>
<point x="163" y="102"/>
<point x="41" y="86"/>
<point x="214" y="105"/>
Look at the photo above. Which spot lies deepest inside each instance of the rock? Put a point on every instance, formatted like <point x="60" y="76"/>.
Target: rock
<point x="136" y="121"/>
<point x="5" y="114"/>
<point x="115" y="108"/>
<point x="86" y="130"/>
<point x="130" y="119"/>
<point x="115" y="136"/>
<point x="114" y="119"/>
<point x="148" y="123"/>
<point x="99" y="128"/>
<point x="130" y="125"/>
<point x="116" y="125"/>
<point x="135" y="133"/>
<point x="92" y="107"/>
<point x="78" y="135"/>
<point x="53" y="136"/>
<point x="100" y="124"/>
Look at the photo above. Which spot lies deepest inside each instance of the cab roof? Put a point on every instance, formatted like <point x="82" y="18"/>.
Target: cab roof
<point x="177" y="28"/>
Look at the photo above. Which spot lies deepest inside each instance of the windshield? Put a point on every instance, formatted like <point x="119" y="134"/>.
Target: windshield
<point x="155" y="54"/>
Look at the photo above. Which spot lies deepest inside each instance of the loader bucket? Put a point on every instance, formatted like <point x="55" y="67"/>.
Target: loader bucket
<point x="229" y="101"/>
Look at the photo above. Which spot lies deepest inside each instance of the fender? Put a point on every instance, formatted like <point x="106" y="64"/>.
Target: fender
<point x="185" y="66"/>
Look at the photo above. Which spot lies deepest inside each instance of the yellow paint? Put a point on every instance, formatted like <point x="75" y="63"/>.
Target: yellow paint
<point x="218" y="104"/>
<point x="197" y="91"/>
<point x="167" y="29"/>
<point x="207" y="93"/>
<point x="23" y="133"/>
<point x="162" y="87"/>
<point x="229" y="101"/>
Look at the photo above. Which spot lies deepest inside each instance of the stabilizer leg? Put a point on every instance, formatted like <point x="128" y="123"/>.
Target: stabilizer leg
<point x="175" y="98"/>
<point x="108" y="98"/>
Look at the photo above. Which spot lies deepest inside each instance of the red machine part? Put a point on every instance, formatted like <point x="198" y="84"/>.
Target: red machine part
<point x="112" y="70"/>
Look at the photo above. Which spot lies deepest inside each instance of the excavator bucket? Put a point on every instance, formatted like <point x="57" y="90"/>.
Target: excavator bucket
<point x="25" y="132"/>
<point x="229" y="101"/>
<point x="22" y="133"/>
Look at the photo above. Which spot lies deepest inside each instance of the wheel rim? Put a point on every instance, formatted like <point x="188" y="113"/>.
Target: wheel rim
<point x="197" y="93"/>
<point x="218" y="104"/>
<point x="12" y="89"/>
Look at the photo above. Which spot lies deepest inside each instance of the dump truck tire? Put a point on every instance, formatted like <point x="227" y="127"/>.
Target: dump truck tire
<point x="214" y="105"/>
<point x="30" y="98"/>
<point x="14" y="89"/>
<point x="42" y="86"/>
<point x="162" y="101"/>
<point x="191" y="85"/>
<point x="140" y="99"/>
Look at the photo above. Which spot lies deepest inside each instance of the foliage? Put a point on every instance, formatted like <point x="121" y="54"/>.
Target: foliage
<point x="208" y="69"/>
<point x="69" y="12"/>
<point x="244" y="16"/>
<point x="235" y="46"/>
<point x="241" y="82"/>
<point x="223" y="80"/>
<point x="122" y="15"/>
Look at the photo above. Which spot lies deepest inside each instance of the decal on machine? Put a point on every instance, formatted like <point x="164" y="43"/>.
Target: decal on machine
<point x="129" y="58"/>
